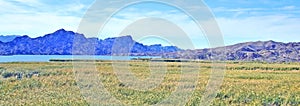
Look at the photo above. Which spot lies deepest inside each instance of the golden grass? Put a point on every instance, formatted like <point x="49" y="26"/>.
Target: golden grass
<point x="56" y="85"/>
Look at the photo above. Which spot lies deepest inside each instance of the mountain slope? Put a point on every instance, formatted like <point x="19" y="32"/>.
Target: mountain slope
<point x="269" y="51"/>
<point x="64" y="42"/>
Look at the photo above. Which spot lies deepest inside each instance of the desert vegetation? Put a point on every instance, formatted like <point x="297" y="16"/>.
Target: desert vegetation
<point x="245" y="83"/>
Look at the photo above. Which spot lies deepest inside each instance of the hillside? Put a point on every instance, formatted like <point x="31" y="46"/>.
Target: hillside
<point x="63" y="42"/>
<point x="268" y="51"/>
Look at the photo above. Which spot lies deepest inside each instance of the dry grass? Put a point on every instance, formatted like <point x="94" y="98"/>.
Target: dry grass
<point x="243" y="84"/>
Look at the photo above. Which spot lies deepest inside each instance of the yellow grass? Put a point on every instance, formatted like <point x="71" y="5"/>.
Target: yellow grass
<point x="243" y="84"/>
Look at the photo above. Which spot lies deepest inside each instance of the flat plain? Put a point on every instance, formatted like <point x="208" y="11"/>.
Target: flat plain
<point x="244" y="83"/>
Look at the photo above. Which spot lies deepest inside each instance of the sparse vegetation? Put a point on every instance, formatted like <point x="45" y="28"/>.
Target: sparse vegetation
<point x="245" y="83"/>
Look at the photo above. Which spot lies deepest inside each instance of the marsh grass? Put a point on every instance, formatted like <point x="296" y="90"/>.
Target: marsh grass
<point x="245" y="83"/>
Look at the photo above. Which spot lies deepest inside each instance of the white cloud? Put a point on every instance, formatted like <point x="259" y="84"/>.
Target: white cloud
<point x="288" y="8"/>
<point x="34" y="18"/>
<point x="275" y="27"/>
<point x="45" y="18"/>
<point x="223" y="9"/>
<point x="36" y="25"/>
<point x="119" y="22"/>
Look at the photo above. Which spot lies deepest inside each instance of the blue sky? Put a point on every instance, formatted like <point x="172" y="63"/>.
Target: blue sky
<point x="239" y="21"/>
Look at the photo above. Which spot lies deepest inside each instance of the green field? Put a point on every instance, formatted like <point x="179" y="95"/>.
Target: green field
<point x="245" y="83"/>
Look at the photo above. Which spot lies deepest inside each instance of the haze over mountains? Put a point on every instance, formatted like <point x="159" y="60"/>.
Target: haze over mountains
<point x="7" y="38"/>
<point x="63" y="42"/>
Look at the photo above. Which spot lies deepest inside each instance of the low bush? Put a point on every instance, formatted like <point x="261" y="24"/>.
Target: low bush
<point x="7" y="74"/>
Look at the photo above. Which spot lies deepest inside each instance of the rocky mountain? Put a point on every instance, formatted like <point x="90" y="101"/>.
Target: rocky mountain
<point x="7" y="38"/>
<point x="64" y="42"/>
<point x="267" y="51"/>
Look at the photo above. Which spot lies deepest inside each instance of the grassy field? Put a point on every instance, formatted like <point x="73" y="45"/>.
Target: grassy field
<point x="245" y="83"/>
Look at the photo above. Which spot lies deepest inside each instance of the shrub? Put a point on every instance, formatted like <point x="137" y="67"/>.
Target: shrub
<point x="7" y="74"/>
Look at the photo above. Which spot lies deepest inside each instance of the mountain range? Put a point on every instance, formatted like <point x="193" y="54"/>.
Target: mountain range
<point x="264" y="51"/>
<point x="63" y="42"/>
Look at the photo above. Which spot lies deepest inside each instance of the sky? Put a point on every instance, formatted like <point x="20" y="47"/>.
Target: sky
<point x="239" y="20"/>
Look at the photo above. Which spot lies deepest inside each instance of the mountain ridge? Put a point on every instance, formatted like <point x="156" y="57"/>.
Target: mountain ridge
<point x="62" y="42"/>
<point x="266" y="51"/>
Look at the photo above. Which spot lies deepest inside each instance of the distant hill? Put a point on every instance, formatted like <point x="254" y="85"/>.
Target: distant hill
<point x="63" y="42"/>
<point x="267" y="51"/>
<point x="8" y="38"/>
